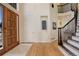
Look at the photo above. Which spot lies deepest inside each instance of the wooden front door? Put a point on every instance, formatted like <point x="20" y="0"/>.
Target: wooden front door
<point x="10" y="29"/>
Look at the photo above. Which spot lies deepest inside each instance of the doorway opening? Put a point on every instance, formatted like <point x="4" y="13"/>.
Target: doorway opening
<point x="1" y="27"/>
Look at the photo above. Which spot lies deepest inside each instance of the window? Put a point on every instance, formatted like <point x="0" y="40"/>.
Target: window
<point x="1" y="17"/>
<point x="44" y="26"/>
<point x="14" y="5"/>
<point x="1" y="26"/>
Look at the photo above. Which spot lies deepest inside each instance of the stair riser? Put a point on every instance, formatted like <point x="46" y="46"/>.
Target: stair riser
<point x="77" y="21"/>
<point x="77" y="34"/>
<point x="77" y="30"/>
<point x="75" y="38"/>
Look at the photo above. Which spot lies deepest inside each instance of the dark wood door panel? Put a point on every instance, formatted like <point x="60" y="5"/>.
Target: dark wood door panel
<point x="9" y="30"/>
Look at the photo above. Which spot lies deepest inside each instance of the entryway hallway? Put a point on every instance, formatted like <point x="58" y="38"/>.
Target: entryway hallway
<point x="45" y="49"/>
<point x="36" y="28"/>
<point x="36" y="49"/>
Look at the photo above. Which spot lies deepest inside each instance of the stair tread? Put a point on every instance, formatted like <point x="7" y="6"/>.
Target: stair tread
<point x="72" y="49"/>
<point x="77" y="32"/>
<point x="74" y="43"/>
<point x="75" y="38"/>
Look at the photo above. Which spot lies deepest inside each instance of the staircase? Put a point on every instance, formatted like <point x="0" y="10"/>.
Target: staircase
<point x="71" y="44"/>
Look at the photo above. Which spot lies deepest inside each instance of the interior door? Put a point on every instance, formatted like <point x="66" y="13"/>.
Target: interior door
<point x="44" y="31"/>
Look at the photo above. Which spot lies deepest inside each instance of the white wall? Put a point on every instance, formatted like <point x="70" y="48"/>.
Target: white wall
<point x="31" y="14"/>
<point x="53" y="18"/>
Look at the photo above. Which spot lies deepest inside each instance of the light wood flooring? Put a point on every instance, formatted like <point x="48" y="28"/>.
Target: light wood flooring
<point x="45" y="49"/>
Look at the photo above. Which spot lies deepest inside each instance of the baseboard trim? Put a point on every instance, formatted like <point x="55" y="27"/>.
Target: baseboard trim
<point x="38" y="42"/>
<point x="33" y="42"/>
<point x="26" y="42"/>
<point x="53" y="40"/>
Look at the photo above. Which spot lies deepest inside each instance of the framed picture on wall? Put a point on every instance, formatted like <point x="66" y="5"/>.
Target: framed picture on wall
<point x="54" y="25"/>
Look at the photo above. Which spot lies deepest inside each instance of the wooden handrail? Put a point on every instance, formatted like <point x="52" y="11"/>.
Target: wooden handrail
<point x="67" y="23"/>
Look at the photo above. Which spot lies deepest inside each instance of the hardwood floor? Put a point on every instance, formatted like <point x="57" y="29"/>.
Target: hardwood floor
<point x="45" y="49"/>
